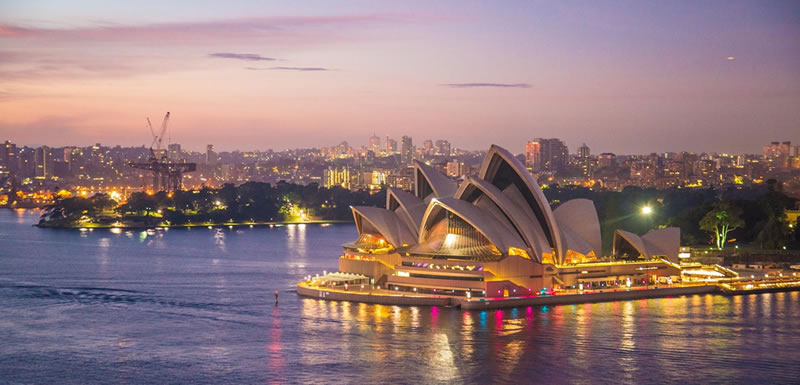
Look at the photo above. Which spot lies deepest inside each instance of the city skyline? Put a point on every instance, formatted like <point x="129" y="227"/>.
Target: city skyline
<point x="417" y="147"/>
<point x="647" y="77"/>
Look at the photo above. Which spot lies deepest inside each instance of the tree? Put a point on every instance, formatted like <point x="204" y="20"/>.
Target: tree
<point x="774" y="233"/>
<point x="723" y="218"/>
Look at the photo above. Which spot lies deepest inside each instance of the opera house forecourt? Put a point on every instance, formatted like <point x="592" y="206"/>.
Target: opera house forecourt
<point x="493" y="240"/>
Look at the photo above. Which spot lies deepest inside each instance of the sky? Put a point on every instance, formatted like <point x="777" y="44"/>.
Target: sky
<point x="621" y="76"/>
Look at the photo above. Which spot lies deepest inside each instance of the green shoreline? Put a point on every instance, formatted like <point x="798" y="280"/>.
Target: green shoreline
<point x="189" y="225"/>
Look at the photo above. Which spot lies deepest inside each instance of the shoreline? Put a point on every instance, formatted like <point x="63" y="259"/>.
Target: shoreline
<point x="189" y="225"/>
<point x="379" y="298"/>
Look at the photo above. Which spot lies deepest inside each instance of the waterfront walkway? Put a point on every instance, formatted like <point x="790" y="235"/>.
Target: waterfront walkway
<point x="389" y="297"/>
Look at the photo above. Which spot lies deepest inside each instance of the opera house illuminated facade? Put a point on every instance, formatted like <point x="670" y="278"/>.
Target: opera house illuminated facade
<point x="495" y="235"/>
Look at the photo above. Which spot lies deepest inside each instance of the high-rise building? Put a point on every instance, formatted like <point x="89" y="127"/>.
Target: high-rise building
<point x="335" y="176"/>
<point x="8" y="157"/>
<point x="43" y="163"/>
<point x="391" y="146"/>
<point x="174" y="151"/>
<point x="533" y="155"/>
<point x="779" y="154"/>
<point x="443" y="147"/>
<point x="427" y="147"/>
<point x="776" y="149"/>
<point x="455" y="168"/>
<point x="546" y="154"/>
<point x="211" y="156"/>
<point x="374" y="144"/>
<point x="342" y="150"/>
<point x="96" y="158"/>
<point x="407" y="150"/>
<point x="606" y="160"/>
<point x="26" y="162"/>
<point x="583" y="151"/>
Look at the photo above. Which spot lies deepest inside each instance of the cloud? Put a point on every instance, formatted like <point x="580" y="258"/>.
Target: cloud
<point x="479" y="85"/>
<point x="241" y="56"/>
<point x="308" y="69"/>
<point x="39" y="51"/>
<point x="262" y="28"/>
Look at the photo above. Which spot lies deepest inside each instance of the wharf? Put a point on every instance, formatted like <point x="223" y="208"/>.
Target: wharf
<point x="388" y="297"/>
<point x="381" y="297"/>
<point x="569" y="299"/>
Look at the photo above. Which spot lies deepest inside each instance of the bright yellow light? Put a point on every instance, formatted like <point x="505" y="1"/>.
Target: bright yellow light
<point x="518" y="252"/>
<point x="647" y="210"/>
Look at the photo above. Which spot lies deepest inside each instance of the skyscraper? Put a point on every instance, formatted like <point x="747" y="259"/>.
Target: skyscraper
<point x="174" y="151"/>
<point x="455" y="168"/>
<point x="407" y="150"/>
<point x="443" y="147"/>
<point x="427" y="147"/>
<point x="778" y="154"/>
<point x="374" y="144"/>
<point x="546" y="154"/>
<point x="211" y="156"/>
<point x="606" y="160"/>
<point x="583" y="151"/>
<point x="336" y="176"/>
<point x="8" y="156"/>
<point x="44" y="163"/>
<point x="533" y="155"/>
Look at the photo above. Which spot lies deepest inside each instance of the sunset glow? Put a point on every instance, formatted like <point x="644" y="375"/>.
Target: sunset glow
<point x="256" y="76"/>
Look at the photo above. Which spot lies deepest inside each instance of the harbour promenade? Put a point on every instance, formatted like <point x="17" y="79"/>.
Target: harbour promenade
<point x="388" y="297"/>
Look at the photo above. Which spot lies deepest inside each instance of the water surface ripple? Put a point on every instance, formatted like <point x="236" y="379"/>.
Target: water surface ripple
<point x="197" y="307"/>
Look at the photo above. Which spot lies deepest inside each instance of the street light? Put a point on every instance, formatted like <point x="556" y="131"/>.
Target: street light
<point x="647" y="210"/>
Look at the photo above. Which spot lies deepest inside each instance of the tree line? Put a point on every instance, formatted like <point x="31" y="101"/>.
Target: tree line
<point x="248" y="202"/>
<point x="753" y="216"/>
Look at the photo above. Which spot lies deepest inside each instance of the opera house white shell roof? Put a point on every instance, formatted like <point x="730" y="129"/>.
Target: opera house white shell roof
<point x="657" y="243"/>
<point x="485" y="217"/>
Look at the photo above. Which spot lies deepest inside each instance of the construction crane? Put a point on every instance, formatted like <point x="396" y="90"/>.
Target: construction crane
<point x="167" y="173"/>
<point x="158" y="138"/>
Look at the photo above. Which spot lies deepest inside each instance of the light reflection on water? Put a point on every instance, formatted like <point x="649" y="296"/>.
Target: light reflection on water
<point x="198" y="307"/>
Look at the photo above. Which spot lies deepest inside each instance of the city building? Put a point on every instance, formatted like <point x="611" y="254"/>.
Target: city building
<point x="174" y="152"/>
<point x="427" y="147"/>
<point x="374" y="144"/>
<point x="583" y="151"/>
<point x="43" y="163"/>
<point x="391" y="146"/>
<point x="407" y="150"/>
<point x="211" y="156"/>
<point x="533" y="155"/>
<point x="337" y="176"/>
<point x="549" y="155"/>
<point x="607" y="160"/>
<point x="455" y="168"/>
<point x="443" y="148"/>
<point x="8" y="157"/>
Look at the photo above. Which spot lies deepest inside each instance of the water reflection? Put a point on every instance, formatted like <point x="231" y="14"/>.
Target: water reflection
<point x="22" y="215"/>
<point x="441" y="359"/>
<point x="192" y="321"/>
<point x="103" y="245"/>
<point x="276" y="361"/>
<point x="219" y="240"/>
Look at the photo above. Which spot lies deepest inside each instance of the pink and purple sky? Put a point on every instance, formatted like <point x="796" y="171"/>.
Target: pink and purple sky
<point x="621" y="76"/>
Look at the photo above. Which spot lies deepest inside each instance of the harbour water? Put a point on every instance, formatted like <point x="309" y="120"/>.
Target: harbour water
<point x="197" y="306"/>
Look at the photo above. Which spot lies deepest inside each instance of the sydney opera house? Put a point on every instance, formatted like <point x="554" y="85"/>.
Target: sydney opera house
<point x="496" y="235"/>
